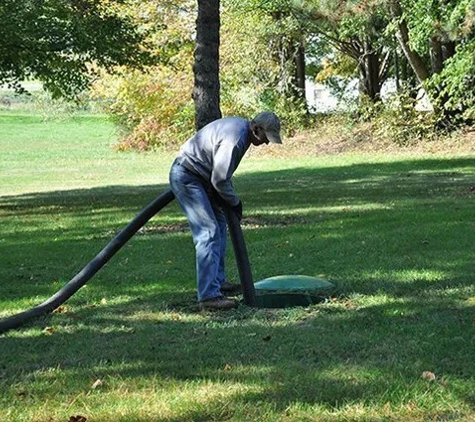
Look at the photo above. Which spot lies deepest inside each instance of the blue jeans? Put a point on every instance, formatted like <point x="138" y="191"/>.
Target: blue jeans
<point x="208" y="227"/>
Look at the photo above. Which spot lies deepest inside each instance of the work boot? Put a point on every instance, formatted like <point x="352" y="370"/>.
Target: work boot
<point x="218" y="303"/>
<point x="230" y="289"/>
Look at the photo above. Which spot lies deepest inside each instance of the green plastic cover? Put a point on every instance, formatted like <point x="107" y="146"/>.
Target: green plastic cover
<point x="293" y="283"/>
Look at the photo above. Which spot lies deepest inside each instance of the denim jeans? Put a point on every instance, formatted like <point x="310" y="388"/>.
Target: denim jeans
<point x="208" y="227"/>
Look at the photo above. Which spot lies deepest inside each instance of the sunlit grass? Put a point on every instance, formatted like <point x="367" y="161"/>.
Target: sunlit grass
<point x="394" y="234"/>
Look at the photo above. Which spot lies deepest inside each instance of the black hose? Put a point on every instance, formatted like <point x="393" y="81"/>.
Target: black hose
<point x="90" y="269"/>
<point x="81" y="278"/>
<point x="242" y="259"/>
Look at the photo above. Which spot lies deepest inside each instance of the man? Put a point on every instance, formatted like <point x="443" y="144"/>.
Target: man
<point x="200" y="178"/>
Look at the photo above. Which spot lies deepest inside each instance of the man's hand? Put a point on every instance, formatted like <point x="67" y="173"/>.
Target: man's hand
<point x="237" y="209"/>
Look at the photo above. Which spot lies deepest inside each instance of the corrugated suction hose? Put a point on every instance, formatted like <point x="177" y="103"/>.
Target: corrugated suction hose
<point x="81" y="278"/>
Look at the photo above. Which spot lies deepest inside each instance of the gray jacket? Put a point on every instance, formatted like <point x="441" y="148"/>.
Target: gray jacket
<point x="215" y="152"/>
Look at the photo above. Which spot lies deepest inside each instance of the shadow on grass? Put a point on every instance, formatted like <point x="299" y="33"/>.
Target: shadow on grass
<point x="400" y="230"/>
<point x="330" y="358"/>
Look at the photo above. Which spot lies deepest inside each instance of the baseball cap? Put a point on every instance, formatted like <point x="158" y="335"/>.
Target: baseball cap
<point x="270" y="123"/>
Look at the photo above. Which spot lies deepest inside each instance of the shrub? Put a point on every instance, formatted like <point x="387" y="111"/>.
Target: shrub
<point x="398" y="120"/>
<point x="153" y="108"/>
<point x="456" y="85"/>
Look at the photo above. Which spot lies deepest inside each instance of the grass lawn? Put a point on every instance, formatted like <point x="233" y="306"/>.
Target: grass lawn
<point x="395" y="234"/>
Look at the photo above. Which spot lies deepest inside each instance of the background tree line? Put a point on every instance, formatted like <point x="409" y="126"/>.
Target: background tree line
<point x="163" y="67"/>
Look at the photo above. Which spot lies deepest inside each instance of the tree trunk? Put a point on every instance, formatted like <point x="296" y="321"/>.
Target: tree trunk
<point x="408" y="77"/>
<point x="448" y="49"/>
<point x="369" y="70"/>
<point x="206" y="65"/>
<point x="440" y="51"/>
<point x="396" y="71"/>
<point x="436" y="54"/>
<point x="299" y="62"/>
<point x="402" y="35"/>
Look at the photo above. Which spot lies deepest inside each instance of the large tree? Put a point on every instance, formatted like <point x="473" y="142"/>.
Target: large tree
<point x="206" y="90"/>
<point x="438" y="39"/>
<point x="270" y="39"/>
<point x="61" y="42"/>
<point x="356" y="30"/>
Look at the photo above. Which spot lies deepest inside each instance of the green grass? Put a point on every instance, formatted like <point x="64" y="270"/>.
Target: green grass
<point x="394" y="234"/>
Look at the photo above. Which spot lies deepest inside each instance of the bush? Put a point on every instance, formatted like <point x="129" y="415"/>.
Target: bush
<point x="248" y="102"/>
<point x="455" y="85"/>
<point x="398" y="120"/>
<point x="153" y="108"/>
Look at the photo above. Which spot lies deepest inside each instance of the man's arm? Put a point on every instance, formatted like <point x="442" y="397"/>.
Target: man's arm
<point x="226" y="160"/>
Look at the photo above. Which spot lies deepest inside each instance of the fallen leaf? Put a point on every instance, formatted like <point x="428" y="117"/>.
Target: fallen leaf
<point x="96" y="384"/>
<point x="48" y="330"/>
<point x="60" y="310"/>
<point x="227" y="367"/>
<point x="77" y="418"/>
<point x="428" y="375"/>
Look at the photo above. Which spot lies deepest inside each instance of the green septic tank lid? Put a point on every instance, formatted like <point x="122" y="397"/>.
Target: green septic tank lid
<point x="296" y="283"/>
<point x="286" y="291"/>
